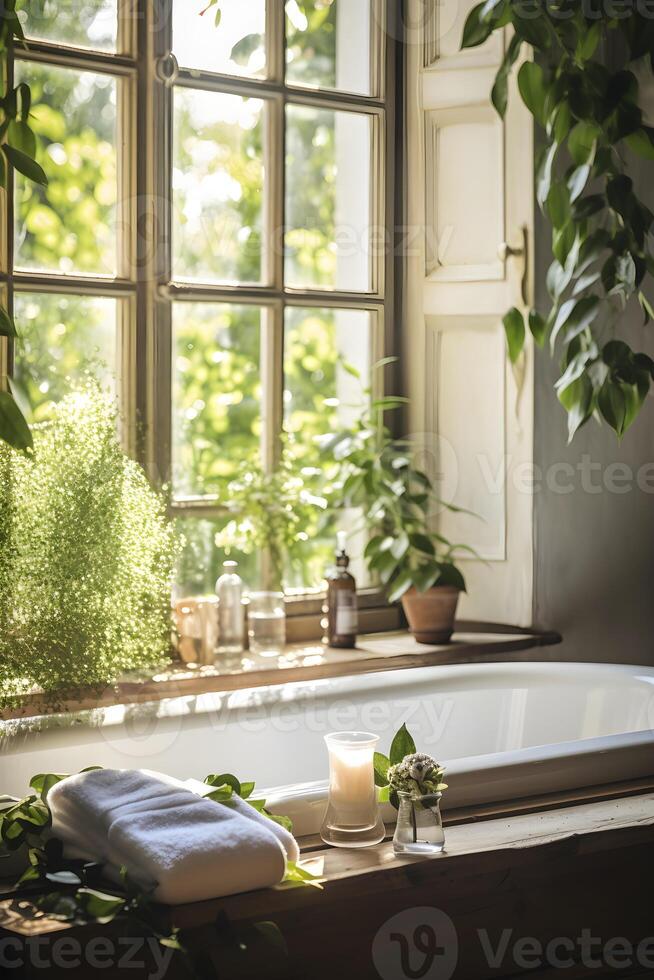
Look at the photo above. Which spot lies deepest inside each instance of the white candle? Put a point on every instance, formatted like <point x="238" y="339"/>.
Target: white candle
<point x="352" y="784"/>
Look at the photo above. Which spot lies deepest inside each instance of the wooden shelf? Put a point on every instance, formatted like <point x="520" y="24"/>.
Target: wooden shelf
<point x="472" y="643"/>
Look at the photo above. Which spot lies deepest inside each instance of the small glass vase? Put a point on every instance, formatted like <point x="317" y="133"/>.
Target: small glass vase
<point x="419" y="827"/>
<point x="266" y="624"/>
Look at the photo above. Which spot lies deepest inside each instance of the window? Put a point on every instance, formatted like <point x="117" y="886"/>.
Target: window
<point x="213" y="238"/>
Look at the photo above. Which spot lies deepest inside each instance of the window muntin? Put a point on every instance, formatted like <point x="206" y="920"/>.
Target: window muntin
<point x="166" y="281"/>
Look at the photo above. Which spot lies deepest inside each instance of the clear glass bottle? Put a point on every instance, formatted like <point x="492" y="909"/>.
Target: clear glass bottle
<point x="419" y="827"/>
<point x="341" y="604"/>
<point x="231" y="621"/>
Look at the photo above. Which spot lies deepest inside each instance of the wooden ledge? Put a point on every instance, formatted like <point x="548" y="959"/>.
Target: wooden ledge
<point x="472" y="643"/>
<point x="472" y="848"/>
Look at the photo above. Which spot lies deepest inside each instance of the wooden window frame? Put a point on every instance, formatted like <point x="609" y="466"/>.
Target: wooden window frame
<point x="147" y="72"/>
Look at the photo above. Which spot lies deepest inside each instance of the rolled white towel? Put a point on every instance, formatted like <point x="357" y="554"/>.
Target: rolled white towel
<point x="190" y="848"/>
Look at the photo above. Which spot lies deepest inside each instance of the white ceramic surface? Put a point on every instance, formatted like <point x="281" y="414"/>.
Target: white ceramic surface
<point x="504" y="731"/>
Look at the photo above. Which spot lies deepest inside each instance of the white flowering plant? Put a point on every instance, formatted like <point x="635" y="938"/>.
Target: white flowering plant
<point x="406" y="770"/>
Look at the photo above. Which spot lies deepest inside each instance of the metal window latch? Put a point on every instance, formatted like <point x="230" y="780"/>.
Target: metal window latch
<point x="507" y="251"/>
<point x="167" y="69"/>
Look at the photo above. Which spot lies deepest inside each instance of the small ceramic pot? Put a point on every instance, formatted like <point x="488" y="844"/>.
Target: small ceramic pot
<point x="431" y="613"/>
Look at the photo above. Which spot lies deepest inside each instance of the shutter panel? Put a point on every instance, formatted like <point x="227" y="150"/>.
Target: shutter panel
<point x="470" y="191"/>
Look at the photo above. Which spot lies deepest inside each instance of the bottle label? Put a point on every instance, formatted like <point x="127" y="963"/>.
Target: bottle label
<point x="347" y="620"/>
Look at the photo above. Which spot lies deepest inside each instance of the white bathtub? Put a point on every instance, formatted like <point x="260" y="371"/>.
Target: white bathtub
<point x="504" y="730"/>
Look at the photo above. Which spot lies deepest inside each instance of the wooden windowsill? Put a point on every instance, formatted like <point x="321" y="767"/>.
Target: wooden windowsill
<point x="472" y="643"/>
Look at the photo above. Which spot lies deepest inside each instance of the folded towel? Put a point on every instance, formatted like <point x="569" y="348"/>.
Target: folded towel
<point x="186" y="848"/>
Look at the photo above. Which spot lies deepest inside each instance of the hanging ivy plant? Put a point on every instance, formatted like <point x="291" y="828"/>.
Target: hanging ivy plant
<point x="591" y="120"/>
<point x="18" y="150"/>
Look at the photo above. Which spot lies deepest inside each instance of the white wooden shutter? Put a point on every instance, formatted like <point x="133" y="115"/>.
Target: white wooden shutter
<point x="470" y="191"/>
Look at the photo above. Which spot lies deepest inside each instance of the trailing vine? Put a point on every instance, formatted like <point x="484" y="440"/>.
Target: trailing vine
<point x="17" y="151"/>
<point x="591" y="121"/>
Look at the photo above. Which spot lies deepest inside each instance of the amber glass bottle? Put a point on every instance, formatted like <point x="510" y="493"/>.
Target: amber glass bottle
<point x="341" y="604"/>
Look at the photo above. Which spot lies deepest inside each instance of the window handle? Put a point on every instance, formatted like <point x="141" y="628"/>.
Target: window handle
<point x="507" y="251"/>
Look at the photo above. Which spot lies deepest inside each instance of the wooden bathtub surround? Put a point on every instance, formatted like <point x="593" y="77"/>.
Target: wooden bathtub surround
<point x="471" y="643"/>
<point x="524" y="879"/>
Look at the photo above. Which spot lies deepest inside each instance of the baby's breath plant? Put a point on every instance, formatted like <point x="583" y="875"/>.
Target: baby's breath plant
<point x="86" y="557"/>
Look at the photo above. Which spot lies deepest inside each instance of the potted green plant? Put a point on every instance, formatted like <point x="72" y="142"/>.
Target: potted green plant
<point x="377" y="476"/>
<point x="274" y="515"/>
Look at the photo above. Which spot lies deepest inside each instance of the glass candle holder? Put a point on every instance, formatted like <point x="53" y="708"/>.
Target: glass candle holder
<point x="267" y="624"/>
<point x="419" y="827"/>
<point x="352" y="818"/>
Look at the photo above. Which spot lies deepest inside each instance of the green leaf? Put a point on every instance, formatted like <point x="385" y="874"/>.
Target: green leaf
<point x="576" y="316"/>
<point x="245" y="48"/>
<point x="646" y="306"/>
<point x="24" y="164"/>
<point x="587" y="207"/>
<point x="14" y="430"/>
<point x="588" y="42"/>
<point x="559" y="122"/>
<point x="400" y="586"/>
<point x="577" y="399"/>
<point x="21" y="137"/>
<point x="7" y="325"/>
<point x="476" y="30"/>
<point x="538" y="328"/>
<point x="247" y="789"/>
<point x="65" y="878"/>
<point x="381" y="766"/>
<point x="514" y="327"/>
<point x="641" y="143"/>
<point x="272" y="935"/>
<point x="99" y="906"/>
<point x="298" y="876"/>
<point x="544" y="173"/>
<point x="558" y="204"/>
<point x="401" y="746"/>
<point x="500" y="91"/>
<point x="225" y="779"/>
<point x="531" y="83"/>
<point x="577" y="181"/>
<point x="582" y="142"/>
<point x="450" y="575"/>
<point x="43" y="783"/>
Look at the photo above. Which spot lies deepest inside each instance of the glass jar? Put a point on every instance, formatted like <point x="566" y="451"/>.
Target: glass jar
<point x="352" y="818"/>
<point x="231" y="622"/>
<point x="267" y="624"/>
<point x="419" y="827"/>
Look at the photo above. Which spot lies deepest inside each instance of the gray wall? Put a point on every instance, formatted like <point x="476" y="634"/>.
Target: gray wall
<point x="594" y="552"/>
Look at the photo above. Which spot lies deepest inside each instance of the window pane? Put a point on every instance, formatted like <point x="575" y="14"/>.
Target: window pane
<point x="88" y="24"/>
<point x="70" y="225"/>
<point x="216" y="394"/>
<point x="328" y="44"/>
<point x="322" y="396"/>
<point x="328" y="191"/>
<point x="202" y="558"/>
<point x="236" y="46"/>
<point x="218" y="179"/>
<point x="62" y="339"/>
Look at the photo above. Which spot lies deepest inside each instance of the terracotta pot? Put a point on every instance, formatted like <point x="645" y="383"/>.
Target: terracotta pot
<point x="431" y="613"/>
